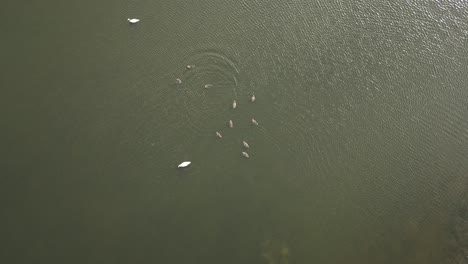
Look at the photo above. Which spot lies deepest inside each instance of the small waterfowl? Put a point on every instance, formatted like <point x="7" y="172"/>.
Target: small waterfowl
<point x="184" y="164"/>
<point x="177" y="80"/>
<point x="208" y="86"/>
<point x="245" y="144"/>
<point x="231" y="124"/>
<point x="133" y="20"/>
<point x="189" y="67"/>
<point x="218" y="135"/>
<point x="245" y="154"/>
<point x="234" y="104"/>
<point x="254" y="122"/>
<point x="252" y="99"/>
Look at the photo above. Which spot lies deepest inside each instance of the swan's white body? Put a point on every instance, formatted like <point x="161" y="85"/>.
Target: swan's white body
<point x="218" y="135"/>
<point x="231" y="124"/>
<point x="252" y="98"/>
<point x="245" y="144"/>
<point x="133" y="20"/>
<point x="245" y="154"/>
<point x="234" y="104"/>
<point x="184" y="164"/>
<point x="254" y="122"/>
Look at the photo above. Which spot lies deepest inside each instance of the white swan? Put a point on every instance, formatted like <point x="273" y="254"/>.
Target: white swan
<point x="218" y="135"/>
<point x="234" y="104"/>
<point x="245" y="154"/>
<point x="245" y="144"/>
<point x="231" y="124"/>
<point x="252" y="98"/>
<point x="133" y="20"/>
<point x="254" y="122"/>
<point x="184" y="164"/>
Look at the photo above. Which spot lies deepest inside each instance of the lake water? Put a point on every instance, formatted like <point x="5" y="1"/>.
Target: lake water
<point x="360" y="155"/>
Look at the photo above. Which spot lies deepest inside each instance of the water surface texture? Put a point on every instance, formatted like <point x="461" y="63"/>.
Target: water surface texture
<point x="359" y="156"/>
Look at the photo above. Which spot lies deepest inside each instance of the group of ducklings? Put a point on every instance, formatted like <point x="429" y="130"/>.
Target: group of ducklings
<point x="231" y="125"/>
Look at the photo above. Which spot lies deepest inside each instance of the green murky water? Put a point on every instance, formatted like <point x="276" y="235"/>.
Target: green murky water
<point x="360" y="155"/>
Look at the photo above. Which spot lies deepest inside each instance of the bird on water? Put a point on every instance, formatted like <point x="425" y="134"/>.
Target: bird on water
<point x="245" y="154"/>
<point x="231" y="124"/>
<point x="252" y="99"/>
<point x="184" y="164"/>
<point x="254" y="122"/>
<point x="133" y="20"/>
<point x="234" y="104"/>
<point x="218" y="135"/>
<point x="245" y="144"/>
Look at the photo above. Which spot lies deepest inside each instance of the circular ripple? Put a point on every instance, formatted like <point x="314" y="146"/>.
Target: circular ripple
<point x="212" y="68"/>
<point x="207" y="90"/>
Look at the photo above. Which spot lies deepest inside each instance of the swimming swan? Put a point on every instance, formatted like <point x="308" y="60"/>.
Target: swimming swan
<point x="133" y="20"/>
<point x="184" y="164"/>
